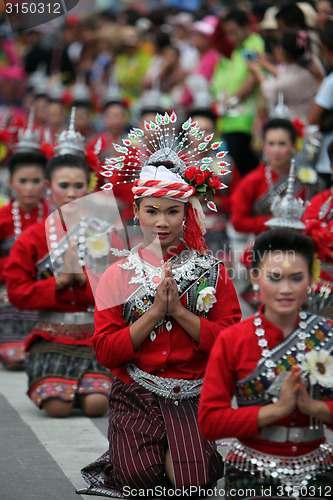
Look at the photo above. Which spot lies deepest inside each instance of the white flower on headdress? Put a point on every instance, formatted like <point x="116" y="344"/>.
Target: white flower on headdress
<point x="325" y="291"/>
<point x="319" y="365"/>
<point x="98" y="246"/>
<point x="307" y="175"/>
<point x="206" y="298"/>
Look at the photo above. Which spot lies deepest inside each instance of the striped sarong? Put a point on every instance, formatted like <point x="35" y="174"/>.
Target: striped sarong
<point x="142" y="426"/>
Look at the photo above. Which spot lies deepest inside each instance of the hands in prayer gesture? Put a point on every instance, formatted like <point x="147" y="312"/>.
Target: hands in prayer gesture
<point x="72" y="268"/>
<point x="295" y="395"/>
<point x="167" y="298"/>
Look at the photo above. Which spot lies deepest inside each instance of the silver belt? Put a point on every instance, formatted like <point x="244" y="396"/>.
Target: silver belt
<point x="281" y="434"/>
<point x="66" y="318"/>
<point x="170" y="388"/>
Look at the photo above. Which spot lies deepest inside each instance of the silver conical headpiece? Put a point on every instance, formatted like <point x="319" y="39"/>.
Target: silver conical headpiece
<point x="28" y="139"/>
<point x="199" y="89"/>
<point x="288" y="211"/>
<point x="80" y="90"/>
<point x="112" y="92"/>
<point x="70" y="141"/>
<point x="38" y="80"/>
<point x="280" y="110"/>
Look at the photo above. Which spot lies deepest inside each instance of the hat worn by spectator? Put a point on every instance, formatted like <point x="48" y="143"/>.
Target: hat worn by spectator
<point x="206" y="26"/>
<point x="310" y="14"/>
<point x="269" y="21"/>
<point x="129" y="36"/>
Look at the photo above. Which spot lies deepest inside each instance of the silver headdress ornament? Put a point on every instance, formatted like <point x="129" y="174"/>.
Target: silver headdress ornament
<point x="80" y="90"/>
<point x="280" y="110"/>
<point x="70" y="141"/>
<point x="152" y="98"/>
<point x="288" y="211"/>
<point x="38" y="80"/>
<point x="55" y="90"/>
<point x="163" y="145"/>
<point x="199" y="89"/>
<point x="152" y="101"/>
<point x="28" y="139"/>
<point x="112" y="92"/>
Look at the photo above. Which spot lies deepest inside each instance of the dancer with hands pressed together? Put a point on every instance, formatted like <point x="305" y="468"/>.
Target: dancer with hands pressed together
<point x="47" y="271"/>
<point x="279" y="365"/>
<point x="154" y="331"/>
<point x="166" y="302"/>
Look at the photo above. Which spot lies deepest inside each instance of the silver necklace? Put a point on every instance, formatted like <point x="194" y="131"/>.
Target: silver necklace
<point x="266" y="353"/>
<point x="150" y="276"/>
<point x="81" y="238"/>
<point x="17" y="216"/>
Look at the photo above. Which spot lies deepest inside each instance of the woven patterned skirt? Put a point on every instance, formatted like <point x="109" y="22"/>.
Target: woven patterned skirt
<point x="15" y="326"/>
<point x="64" y="371"/>
<point x="141" y="427"/>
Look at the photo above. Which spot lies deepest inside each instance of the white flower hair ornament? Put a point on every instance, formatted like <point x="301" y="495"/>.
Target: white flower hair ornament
<point x="188" y="176"/>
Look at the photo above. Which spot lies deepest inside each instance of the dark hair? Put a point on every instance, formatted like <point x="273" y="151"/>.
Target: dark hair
<point x="283" y="240"/>
<point x="67" y="160"/>
<point x="153" y="108"/>
<point x="238" y="16"/>
<point x="326" y="36"/>
<point x="82" y="103"/>
<point x="294" y="45"/>
<point x="162" y="40"/>
<point x="19" y="160"/>
<point x="287" y="125"/>
<point x="113" y="102"/>
<point x="203" y="112"/>
<point x="330" y="151"/>
<point x="292" y="16"/>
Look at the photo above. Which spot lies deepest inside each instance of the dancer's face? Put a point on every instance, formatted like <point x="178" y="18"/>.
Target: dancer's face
<point x="161" y="221"/>
<point x="283" y="279"/>
<point x="68" y="184"/>
<point x="279" y="149"/>
<point x="28" y="183"/>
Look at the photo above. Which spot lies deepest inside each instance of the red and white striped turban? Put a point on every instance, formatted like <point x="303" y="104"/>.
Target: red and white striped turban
<point x="160" y="182"/>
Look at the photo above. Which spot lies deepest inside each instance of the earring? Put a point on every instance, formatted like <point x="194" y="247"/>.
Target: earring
<point x="256" y="289"/>
<point x="135" y="221"/>
<point x="48" y="196"/>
